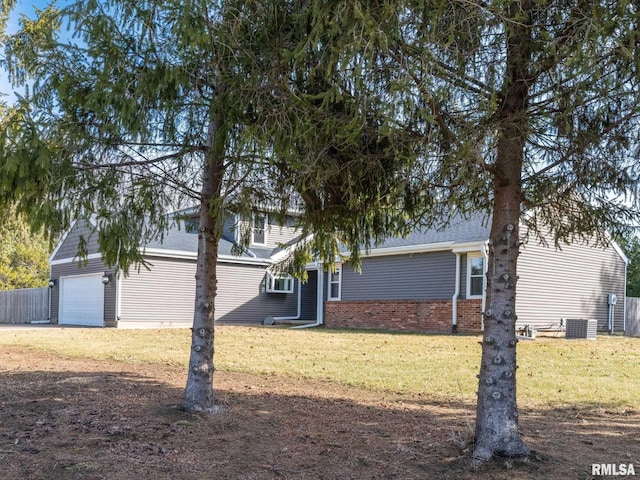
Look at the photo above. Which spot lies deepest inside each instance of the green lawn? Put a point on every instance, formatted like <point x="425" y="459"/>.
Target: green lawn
<point x="552" y="371"/>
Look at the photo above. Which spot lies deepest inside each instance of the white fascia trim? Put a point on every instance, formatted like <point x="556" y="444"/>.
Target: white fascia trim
<point x="420" y="248"/>
<point x="617" y="248"/>
<point x="468" y="247"/>
<point x="159" y="252"/>
<point x="61" y="241"/>
<point x="62" y="261"/>
<point x="247" y="261"/>
<point x="425" y="247"/>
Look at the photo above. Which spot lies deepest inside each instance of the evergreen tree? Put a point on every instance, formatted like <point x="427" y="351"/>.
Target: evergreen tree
<point x="502" y="107"/>
<point x="139" y="113"/>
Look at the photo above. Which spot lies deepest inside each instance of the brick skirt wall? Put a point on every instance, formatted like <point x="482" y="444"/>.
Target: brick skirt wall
<point x="406" y="315"/>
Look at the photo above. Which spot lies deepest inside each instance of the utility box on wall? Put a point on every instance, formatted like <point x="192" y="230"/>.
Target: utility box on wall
<point x="581" y="328"/>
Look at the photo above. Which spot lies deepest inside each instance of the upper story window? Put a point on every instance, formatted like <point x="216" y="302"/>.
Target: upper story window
<point x="334" y="291"/>
<point x="475" y="276"/>
<point x="259" y="230"/>
<point x="191" y="226"/>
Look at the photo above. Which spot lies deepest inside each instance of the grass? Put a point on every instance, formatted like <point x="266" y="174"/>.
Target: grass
<point x="552" y="371"/>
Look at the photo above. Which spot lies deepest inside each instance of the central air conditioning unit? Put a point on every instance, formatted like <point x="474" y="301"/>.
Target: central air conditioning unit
<point x="581" y="328"/>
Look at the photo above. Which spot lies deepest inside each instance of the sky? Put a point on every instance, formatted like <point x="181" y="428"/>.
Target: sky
<point x="23" y="7"/>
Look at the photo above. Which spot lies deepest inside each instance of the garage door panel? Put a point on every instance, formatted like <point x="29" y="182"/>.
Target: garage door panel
<point x="82" y="300"/>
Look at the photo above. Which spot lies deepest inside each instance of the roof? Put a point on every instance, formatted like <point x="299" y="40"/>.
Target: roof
<point x="458" y="230"/>
<point x="179" y="241"/>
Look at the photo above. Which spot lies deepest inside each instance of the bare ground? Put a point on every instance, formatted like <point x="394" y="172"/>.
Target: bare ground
<point x="63" y="419"/>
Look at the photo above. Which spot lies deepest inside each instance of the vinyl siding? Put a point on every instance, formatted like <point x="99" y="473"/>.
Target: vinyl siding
<point x="421" y="276"/>
<point x="276" y="234"/>
<point x="69" y="247"/>
<point x="569" y="283"/>
<point x="242" y="298"/>
<point x="72" y="269"/>
<point x="166" y="294"/>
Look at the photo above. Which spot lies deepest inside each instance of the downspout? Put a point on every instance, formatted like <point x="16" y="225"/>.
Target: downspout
<point x="118" y="297"/>
<point x="456" y="294"/>
<point x="624" y="304"/>
<point x="485" y="256"/>
<point x="319" y="302"/>
<point x="51" y="290"/>
<point x="299" y="308"/>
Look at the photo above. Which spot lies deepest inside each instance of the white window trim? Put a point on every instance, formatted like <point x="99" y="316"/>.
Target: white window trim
<point x="470" y="257"/>
<point x="253" y="225"/>
<point x="338" y="270"/>
<point x="270" y="282"/>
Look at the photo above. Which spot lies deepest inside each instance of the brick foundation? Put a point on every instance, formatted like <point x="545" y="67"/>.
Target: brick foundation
<point x="405" y="315"/>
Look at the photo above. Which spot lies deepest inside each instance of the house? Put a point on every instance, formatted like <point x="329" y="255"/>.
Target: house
<point x="432" y="281"/>
<point x="435" y="281"/>
<point x="90" y="293"/>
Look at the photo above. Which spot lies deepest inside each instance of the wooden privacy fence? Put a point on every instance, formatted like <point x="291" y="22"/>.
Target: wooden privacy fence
<point x="633" y="317"/>
<point x="24" y="306"/>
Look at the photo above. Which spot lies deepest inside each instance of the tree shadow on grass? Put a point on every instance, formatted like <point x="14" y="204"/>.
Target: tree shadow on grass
<point x="124" y="425"/>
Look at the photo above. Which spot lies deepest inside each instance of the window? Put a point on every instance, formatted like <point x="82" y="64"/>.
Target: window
<point x="335" y="284"/>
<point x="191" y="226"/>
<point x="259" y="230"/>
<point x="475" y="276"/>
<point x="279" y="284"/>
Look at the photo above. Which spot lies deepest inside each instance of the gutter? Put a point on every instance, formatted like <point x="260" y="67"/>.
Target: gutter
<point x="456" y="294"/>
<point x="118" y="279"/>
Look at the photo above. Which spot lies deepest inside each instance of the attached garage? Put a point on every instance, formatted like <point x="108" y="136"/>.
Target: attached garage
<point x="82" y="300"/>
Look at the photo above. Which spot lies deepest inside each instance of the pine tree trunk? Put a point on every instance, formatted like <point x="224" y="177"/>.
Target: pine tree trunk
<point x="497" y="430"/>
<point x="198" y="394"/>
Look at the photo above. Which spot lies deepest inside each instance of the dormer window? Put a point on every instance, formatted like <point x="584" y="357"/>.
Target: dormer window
<point x="259" y="230"/>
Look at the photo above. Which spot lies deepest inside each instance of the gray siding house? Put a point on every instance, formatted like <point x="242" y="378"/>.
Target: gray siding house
<point x="429" y="281"/>
<point x="90" y="293"/>
<point x="435" y="281"/>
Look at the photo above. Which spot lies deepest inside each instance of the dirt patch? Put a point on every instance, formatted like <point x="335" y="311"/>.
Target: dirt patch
<point x="69" y="419"/>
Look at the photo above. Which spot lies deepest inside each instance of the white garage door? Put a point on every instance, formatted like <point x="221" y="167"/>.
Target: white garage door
<point x="82" y="300"/>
